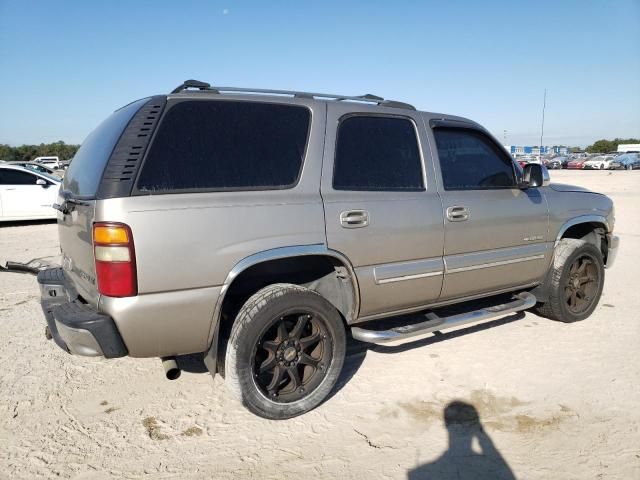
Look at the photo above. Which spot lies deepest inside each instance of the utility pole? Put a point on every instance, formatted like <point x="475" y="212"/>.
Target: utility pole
<point x="544" y="104"/>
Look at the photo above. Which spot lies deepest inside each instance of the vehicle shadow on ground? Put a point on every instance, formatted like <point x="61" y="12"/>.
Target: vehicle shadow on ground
<point x="461" y="461"/>
<point x="357" y="351"/>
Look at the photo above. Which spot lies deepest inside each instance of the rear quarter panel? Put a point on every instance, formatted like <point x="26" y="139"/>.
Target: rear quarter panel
<point x="187" y="243"/>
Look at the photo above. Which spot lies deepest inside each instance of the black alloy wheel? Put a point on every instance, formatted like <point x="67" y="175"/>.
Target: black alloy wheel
<point x="582" y="284"/>
<point x="292" y="356"/>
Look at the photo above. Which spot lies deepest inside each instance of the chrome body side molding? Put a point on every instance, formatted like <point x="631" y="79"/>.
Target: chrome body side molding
<point x="494" y="258"/>
<point x="398" y="272"/>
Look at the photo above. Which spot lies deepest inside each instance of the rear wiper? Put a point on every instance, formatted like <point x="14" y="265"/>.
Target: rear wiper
<point x="69" y="205"/>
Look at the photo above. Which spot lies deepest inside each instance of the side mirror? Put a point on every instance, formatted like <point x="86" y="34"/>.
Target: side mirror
<point x="535" y="175"/>
<point x="43" y="183"/>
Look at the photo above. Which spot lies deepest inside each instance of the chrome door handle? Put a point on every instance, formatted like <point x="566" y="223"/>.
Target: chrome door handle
<point x="354" y="219"/>
<point x="457" y="213"/>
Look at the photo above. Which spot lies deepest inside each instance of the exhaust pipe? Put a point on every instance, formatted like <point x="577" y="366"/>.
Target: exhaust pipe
<point x="171" y="369"/>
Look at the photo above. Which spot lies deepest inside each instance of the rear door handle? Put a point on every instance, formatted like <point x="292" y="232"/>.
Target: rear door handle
<point x="457" y="213"/>
<point x="354" y="219"/>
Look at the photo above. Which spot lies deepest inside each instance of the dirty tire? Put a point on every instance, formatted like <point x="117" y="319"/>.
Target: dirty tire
<point x="263" y="313"/>
<point x="568" y="252"/>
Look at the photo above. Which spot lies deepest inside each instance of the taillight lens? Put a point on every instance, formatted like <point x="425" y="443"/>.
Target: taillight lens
<point x="115" y="259"/>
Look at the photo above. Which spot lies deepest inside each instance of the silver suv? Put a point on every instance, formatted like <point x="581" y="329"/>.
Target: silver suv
<point x="263" y="228"/>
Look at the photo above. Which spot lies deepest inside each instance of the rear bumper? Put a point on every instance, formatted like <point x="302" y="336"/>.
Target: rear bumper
<point x="613" y="242"/>
<point x="76" y="327"/>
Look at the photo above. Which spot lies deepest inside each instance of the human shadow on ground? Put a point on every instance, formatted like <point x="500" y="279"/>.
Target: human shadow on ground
<point x="460" y="461"/>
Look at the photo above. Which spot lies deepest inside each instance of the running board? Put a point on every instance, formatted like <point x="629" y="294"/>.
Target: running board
<point x="522" y="301"/>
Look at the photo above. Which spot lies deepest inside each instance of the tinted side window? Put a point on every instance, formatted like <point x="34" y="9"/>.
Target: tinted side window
<point x="469" y="160"/>
<point x="84" y="174"/>
<point x="16" y="177"/>
<point x="377" y="153"/>
<point x="227" y="145"/>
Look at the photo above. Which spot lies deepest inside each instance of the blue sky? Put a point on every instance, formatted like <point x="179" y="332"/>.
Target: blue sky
<point x="65" y="65"/>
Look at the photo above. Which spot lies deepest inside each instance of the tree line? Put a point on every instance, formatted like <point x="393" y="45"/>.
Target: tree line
<point x="26" y="153"/>
<point x="604" y="146"/>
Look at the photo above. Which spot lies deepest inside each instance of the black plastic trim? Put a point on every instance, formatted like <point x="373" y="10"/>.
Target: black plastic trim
<point x="124" y="163"/>
<point x="83" y="317"/>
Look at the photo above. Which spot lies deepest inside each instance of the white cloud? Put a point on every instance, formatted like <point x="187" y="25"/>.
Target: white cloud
<point x="225" y="11"/>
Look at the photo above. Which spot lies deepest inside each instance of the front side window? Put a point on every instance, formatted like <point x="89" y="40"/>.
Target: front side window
<point x="469" y="160"/>
<point x="377" y="154"/>
<point x="227" y="145"/>
<point x="16" y="177"/>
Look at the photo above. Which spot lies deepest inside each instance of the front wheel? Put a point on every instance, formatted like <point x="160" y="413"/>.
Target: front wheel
<point x="285" y="351"/>
<point x="576" y="282"/>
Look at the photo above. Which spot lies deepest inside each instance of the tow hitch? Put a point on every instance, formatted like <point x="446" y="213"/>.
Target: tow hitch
<point x="32" y="267"/>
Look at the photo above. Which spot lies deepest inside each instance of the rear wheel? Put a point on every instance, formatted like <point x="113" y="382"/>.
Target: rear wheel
<point x="576" y="282"/>
<point x="285" y="352"/>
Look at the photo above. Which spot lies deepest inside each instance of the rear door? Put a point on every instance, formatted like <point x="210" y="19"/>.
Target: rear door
<point x="382" y="208"/>
<point x="495" y="233"/>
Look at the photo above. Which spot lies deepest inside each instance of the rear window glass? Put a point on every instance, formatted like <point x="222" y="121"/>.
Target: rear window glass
<point x="83" y="176"/>
<point x="377" y="154"/>
<point x="226" y="145"/>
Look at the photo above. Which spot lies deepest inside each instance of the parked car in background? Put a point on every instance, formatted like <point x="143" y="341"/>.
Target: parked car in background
<point x="626" y="161"/>
<point x="26" y="194"/>
<point x="53" y="162"/>
<point x="576" y="163"/>
<point x="600" y="162"/>
<point x="38" y="167"/>
<point x="553" y="163"/>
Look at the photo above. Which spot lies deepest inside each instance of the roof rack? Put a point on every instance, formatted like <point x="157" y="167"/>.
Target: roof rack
<point x="368" y="98"/>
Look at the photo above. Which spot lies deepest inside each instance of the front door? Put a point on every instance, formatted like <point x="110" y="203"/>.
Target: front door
<point x="382" y="209"/>
<point x="495" y="232"/>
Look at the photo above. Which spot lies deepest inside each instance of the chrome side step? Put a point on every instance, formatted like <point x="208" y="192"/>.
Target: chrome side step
<point x="522" y="301"/>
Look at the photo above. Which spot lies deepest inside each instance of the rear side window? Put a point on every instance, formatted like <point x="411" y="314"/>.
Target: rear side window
<point x="16" y="177"/>
<point x="83" y="176"/>
<point x="227" y="145"/>
<point x="377" y="154"/>
<point x="469" y="160"/>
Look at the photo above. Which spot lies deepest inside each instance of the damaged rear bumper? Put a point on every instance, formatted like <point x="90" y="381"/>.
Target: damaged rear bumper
<point x="76" y="327"/>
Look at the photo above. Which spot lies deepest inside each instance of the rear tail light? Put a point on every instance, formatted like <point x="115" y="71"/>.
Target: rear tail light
<point x="115" y="260"/>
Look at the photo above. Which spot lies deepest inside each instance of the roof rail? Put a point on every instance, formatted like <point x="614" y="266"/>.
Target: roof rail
<point x="367" y="98"/>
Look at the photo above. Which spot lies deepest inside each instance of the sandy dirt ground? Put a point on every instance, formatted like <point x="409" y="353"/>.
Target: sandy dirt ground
<point x="554" y="401"/>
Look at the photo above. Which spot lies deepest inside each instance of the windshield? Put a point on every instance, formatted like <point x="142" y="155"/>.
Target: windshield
<point x="84" y="173"/>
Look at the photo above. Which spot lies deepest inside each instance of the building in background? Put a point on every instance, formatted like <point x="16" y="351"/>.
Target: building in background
<point x="522" y="150"/>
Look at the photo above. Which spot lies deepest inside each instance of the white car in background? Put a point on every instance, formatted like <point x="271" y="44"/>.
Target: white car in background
<point x="26" y="194"/>
<point x="602" y="162"/>
<point x="53" y="162"/>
